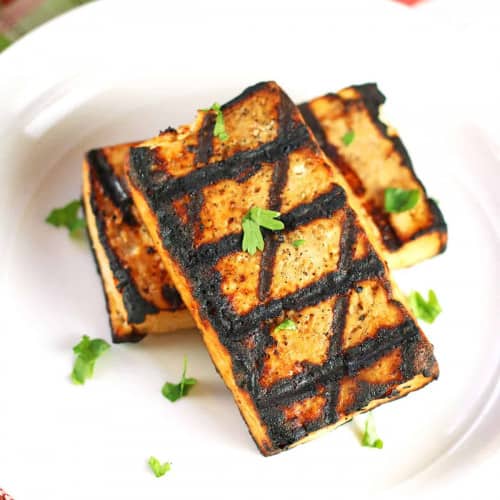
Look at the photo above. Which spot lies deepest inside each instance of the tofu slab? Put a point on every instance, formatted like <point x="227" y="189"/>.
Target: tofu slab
<point x="375" y="160"/>
<point x="356" y="345"/>
<point x="140" y="296"/>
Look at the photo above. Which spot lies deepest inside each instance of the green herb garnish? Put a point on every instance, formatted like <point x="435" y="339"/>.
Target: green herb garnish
<point x="173" y="392"/>
<point x="219" y="127"/>
<point x="398" y="200"/>
<point x="426" y="310"/>
<point x="298" y="243"/>
<point x="68" y="217"/>
<point x="288" y="324"/>
<point x="370" y="437"/>
<point x="252" y="222"/>
<point x="158" y="468"/>
<point x="348" y="137"/>
<point x="87" y="351"/>
<point x="4" y="42"/>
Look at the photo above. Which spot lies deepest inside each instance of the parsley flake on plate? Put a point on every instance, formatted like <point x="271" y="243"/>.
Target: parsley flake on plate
<point x="252" y="222"/>
<point x="173" y="392"/>
<point x="219" y="127"/>
<point x="348" y="137"/>
<point x="4" y="42"/>
<point x="158" y="468"/>
<point x="397" y="200"/>
<point x="426" y="310"/>
<point x="87" y="351"/>
<point x="370" y="437"/>
<point x="68" y="217"/>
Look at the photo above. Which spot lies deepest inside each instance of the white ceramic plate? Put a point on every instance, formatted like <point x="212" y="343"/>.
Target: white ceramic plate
<point x="117" y="71"/>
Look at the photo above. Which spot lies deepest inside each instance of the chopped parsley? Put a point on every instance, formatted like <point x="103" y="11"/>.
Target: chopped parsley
<point x="87" y="351"/>
<point x="397" y="200"/>
<point x="158" y="468"/>
<point x="428" y="310"/>
<point x="348" y="137"/>
<point x="173" y="392"/>
<point x="219" y="127"/>
<point x="4" y="42"/>
<point x="68" y="217"/>
<point x="298" y="243"/>
<point x="252" y="222"/>
<point x="370" y="437"/>
<point x="288" y="324"/>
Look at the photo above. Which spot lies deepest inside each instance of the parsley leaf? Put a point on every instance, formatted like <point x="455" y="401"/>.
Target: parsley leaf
<point x="67" y="216"/>
<point x="287" y="324"/>
<point x="87" y="351"/>
<point x="4" y="42"/>
<point x="252" y="237"/>
<point x="298" y="243"/>
<point x="398" y="200"/>
<point x="173" y="392"/>
<point x="219" y="127"/>
<point x="158" y="468"/>
<point x="426" y="310"/>
<point x="252" y="222"/>
<point x="370" y="437"/>
<point x="348" y="137"/>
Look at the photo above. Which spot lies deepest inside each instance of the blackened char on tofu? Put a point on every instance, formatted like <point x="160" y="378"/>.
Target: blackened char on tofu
<point x="355" y="345"/>
<point x="140" y="296"/>
<point x="375" y="159"/>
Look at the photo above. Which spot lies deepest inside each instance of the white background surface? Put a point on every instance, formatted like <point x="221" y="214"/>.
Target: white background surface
<point x="109" y="73"/>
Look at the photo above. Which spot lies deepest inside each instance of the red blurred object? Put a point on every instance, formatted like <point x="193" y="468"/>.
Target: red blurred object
<point x="409" y="2"/>
<point x="5" y="2"/>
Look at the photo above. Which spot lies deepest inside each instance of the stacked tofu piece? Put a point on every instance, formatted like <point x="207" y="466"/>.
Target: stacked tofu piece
<point x="165" y="217"/>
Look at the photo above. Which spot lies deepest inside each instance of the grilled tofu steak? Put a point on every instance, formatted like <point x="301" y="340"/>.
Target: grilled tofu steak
<point x="140" y="295"/>
<point x="350" y="343"/>
<point x="373" y="160"/>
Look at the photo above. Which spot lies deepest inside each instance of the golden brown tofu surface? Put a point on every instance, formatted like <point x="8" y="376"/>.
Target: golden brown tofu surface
<point x="354" y="346"/>
<point x="375" y="160"/>
<point x="140" y="295"/>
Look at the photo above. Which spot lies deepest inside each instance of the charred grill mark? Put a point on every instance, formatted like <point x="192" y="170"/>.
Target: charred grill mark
<point x="323" y="206"/>
<point x="374" y="348"/>
<point x="246" y="337"/>
<point x="419" y="358"/>
<point x="278" y="183"/>
<point x="349" y="363"/>
<point x="272" y="240"/>
<point x="340" y="310"/>
<point x="334" y="283"/>
<point x="334" y="352"/>
<point x="205" y="139"/>
<point x="171" y="295"/>
<point x="381" y="218"/>
<point x="136" y="306"/>
<point x="195" y="205"/>
<point x="366" y="392"/>
<point x="438" y="225"/>
<point x="111" y="184"/>
<point x="331" y="151"/>
<point x="214" y="172"/>
<point x="373" y="98"/>
<point x="347" y="240"/>
<point x="168" y="130"/>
